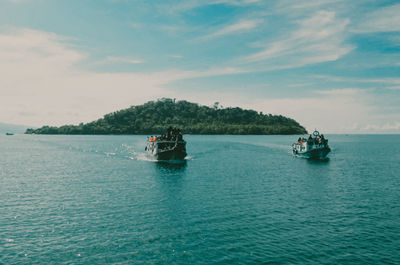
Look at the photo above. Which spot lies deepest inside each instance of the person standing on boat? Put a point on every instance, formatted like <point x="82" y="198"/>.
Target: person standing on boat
<point x="169" y="133"/>
<point x="173" y="134"/>
<point x="323" y="140"/>
<point x="180" y="136"/>
<point x="310" y="140"/>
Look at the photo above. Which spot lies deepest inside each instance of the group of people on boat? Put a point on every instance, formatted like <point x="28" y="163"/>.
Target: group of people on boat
<point x="173" y="134"/>
<point x="318" y="140"/>
<point x="315" y="147"/>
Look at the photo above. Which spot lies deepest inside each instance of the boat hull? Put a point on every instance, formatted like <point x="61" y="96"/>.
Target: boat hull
<point x="170" y="155"/>
<point x="317" y="153"/>
<point x="167" y="150"/>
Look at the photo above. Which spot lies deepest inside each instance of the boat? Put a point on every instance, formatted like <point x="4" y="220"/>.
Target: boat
<point x="9" y="134"/>
<point x="170" y="147"/>
<point x="315" y="147"/>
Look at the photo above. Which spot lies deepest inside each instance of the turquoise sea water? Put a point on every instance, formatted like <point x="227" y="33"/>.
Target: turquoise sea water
<point x="237" y="200"/>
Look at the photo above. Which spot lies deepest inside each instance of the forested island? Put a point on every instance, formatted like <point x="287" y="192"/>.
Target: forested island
<point x="155" y="116"/>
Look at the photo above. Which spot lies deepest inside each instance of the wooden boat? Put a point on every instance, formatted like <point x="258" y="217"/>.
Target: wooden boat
<point x="167" y="147"/>
<point x="315" y="147"/>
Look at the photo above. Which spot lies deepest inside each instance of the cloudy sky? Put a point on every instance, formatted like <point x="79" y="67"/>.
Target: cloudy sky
<point x="332" y="65"/>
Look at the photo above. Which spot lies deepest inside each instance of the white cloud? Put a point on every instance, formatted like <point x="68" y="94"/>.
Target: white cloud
<point x="176" y="56"/>
<point x="393" y="127"/>
<point x="136" y="25"/>
<point x="23" y="1"/>
<point x="381" y="81"/>
<point x="40" y="77"/>
<point x="319" y="38"/>
<point x="113" y="59"/>
<point x="299" y="84"/>
<point x="240" y="2"/>
<point x="336" y="92"/>
<point x="386" y="19"/>
<point x="333" y="111"/>
<point x="190" y="4"/>
<point x="306" y="4"/>
<point x="238" y="27"/>
<point x="42" y="84"/>
<point x="346" y="110"/>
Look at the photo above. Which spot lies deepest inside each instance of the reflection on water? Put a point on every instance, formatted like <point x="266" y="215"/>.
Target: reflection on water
<point x="241" y="199"/>
<point x="171" y="167"/>
<point x="318" y="161"/>
<point x="170" y="178"/>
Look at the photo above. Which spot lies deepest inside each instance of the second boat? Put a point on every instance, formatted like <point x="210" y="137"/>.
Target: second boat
<point x="315" y="147"/>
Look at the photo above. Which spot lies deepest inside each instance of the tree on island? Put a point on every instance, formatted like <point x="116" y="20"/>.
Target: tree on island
<point x="154" y="117"/>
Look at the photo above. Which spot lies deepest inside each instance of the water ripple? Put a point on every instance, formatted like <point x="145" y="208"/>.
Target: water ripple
<point x="239" y="200"/>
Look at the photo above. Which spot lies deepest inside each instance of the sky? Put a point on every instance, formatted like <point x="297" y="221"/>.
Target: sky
<point x="332" y="65"/>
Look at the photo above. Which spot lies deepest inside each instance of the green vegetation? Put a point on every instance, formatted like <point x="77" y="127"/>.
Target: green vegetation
<point x="155" y="116"/>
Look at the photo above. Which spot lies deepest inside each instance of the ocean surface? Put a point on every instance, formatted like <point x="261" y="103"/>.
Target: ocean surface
<point x="236" y="200"/>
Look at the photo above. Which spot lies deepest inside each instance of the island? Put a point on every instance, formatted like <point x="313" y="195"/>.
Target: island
<point x="154" y="117"/>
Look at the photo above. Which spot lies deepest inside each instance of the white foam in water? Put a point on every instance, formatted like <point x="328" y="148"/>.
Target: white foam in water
<point x="144" y="157"/>
<point x="132" y="154"/>
<point x="177" y="162"/>
<point x="139" y="156"/>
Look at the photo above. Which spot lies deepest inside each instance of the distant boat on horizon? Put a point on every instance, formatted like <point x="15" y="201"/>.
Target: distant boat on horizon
<point x="9" y="133"/>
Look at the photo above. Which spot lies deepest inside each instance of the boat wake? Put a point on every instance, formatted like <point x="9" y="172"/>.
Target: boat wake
<point x="147" y="158"/>
<point x="273" y="146"/>
<point x="143" y="156"/>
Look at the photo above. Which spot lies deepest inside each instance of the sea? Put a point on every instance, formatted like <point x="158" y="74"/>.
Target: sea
<point x="235" y="200"/>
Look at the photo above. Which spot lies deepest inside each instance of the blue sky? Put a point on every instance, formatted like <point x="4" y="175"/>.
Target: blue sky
<point x="332" y="65"/>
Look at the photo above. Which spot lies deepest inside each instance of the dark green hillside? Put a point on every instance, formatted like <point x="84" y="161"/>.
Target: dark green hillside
<point x="155" y="116"/>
